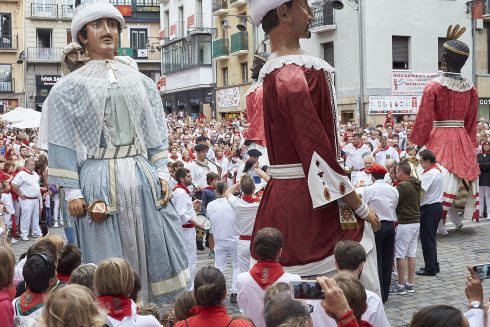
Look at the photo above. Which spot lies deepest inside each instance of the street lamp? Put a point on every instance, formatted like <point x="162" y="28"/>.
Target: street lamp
<point x="23" y="60"/>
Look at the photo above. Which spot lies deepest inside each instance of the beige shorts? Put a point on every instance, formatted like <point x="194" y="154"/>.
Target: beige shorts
<point x="406" y="240"/>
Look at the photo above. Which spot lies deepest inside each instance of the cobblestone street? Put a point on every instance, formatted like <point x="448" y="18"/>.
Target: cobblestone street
<point x="455" y="250"/>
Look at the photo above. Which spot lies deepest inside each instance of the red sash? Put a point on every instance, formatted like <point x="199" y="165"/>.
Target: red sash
<point x="179" y="185"/>
<point x="250" y="199"/>
<point x="266" y="273"/>
<point x="118" y="306"/>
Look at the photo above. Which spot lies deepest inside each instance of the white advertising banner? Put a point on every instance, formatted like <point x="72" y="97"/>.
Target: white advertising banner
<point x="229" y="97"/>
<point x="408" y="83"/>
<point x="398" y="105"/>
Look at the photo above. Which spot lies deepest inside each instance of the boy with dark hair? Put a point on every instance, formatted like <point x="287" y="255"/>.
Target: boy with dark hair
<point x="39" y="276"/>
<point x="253" y="284"/>
<point x="70" y="257"/>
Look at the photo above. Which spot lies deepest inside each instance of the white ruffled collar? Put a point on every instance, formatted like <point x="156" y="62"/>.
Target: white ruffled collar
<point x="275" y="62"/>
<point x="458" y="85"/>
<point x="255" y="86"/>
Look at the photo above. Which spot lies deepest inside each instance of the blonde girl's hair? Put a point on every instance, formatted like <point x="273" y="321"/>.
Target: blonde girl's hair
<point x="7" y="266"/>
<point x="73" y="305"/>
<point x="113" y="277"/>
<point x="57" y="241"/>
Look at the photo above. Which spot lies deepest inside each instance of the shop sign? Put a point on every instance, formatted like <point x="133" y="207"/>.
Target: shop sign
<point x="408" y="83"/>
<point x="484" y="101"/>
<point x="405" y="105"/>
<point x="47" y="80"/>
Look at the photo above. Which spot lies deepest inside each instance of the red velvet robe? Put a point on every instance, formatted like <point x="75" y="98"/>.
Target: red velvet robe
<point x="255" y="117"/>
<point x="299" y="120"/>
<point x="454" y="148"/>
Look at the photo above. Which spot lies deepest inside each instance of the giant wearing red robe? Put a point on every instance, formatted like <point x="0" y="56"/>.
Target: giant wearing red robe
<point x="447" y="124"/>
<point x="255" y="115"/>
<point x="300" y="128"/>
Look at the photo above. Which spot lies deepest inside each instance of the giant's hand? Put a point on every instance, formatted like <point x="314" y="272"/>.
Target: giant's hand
<point x="373" y="219"/>
<point x="77" y="207"/>
<point x="166" y="193"/>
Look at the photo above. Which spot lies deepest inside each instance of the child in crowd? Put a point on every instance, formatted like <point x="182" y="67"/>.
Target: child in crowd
<point x="84" y="275"/>
<point x="39" y="276"/>
<point x="72" y="305"/>
<point x="8" y="209"/>
<point x="70" y="257"/>
<point x="113" y="283"/>
<point x="7" y="289"/>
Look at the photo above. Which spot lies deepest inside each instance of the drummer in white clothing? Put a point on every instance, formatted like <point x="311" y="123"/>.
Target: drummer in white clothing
<point x="201" y="166"/>
<point x="354" y="154"/>
<point x="385" y="152"/>
<point x="184" y="205"/>
<point x="225" y="234"/>
<point x="245" y="212"/>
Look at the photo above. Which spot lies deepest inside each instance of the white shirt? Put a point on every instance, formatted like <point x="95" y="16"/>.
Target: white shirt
<point x="251" y="296"/>
<point x="28" y="184"/>
<point x="222" y="218"/>
<point x="362" y="176"/>
<point x="375" y="312"/>
<point x="432" y="185"/>
<point x="183" y="205"/>
<point x="374" y="142"/>
<point x="383" y="155"/>
<point x="353" y="155"/>
<point x="199" y="173"/>
<point x="383" y="198"/>
<point x="223" y="163"/>
<point x="245" y="214"/>
<point x="8" y="205"/>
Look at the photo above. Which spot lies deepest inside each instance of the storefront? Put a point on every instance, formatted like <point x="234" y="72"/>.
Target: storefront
<point x="484" y="108"/>
<point x="191" y="101"/>
<point x="44" y="83"/>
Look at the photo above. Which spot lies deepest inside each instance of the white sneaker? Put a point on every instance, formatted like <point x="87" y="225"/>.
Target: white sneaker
<point x="55" y="225"/>
<point x="24" y="238"/>
<point x="13" y="240"/>
<point x="441" y="230"/>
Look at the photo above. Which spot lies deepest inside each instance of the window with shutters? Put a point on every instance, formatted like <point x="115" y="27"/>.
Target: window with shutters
<point x="401" y="53"/>
<point x="440" y="43"/>
<point x="328" y="53"/>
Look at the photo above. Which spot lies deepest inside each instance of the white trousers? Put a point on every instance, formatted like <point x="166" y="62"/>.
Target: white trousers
<point x="191" y="252"/>
<point x="56" y="209"/>
<point x="243" y="256"/>
<point x="223" y="249"/>
<point x="29" y="217"/>
<point x="484" y="198"/>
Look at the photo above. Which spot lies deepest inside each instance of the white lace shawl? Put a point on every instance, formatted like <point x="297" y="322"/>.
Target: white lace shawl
<point x="75" y="107"/>
<point x="458" y="85"/>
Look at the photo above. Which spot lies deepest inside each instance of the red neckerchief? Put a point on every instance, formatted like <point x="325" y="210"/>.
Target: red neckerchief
<point x="179" y="185"/>
<point x="118" y="306"/>
<point x="381" y="149"/>
<point x="359" y="145"/>
<point x="250" y="199"/>
<point x="433" y="166"/>
<point x="29" y="302"/>
<point x="209" y="187"/>
<point x="63" y="278"/>
<point x="266" y="273"/>
<point x="27" y="170"/>
<point x="188" y="160"/>
<point x="174" y="157"/>
<point x="395" y="183"/>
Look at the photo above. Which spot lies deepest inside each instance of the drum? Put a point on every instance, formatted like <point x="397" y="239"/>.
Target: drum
<point x="203" y="220"/>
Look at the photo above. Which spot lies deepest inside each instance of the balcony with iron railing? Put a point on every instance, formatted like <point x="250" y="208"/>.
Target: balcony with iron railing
<point x="141" y="55"/>
<point x="220" y="7"/>
<point x="8" y="42"/>
<point x="239" y="43"/>
<point x="221" y="49"/>
<point x="67" y="12"/>
<point x="323" y="18"/>
<point x="44" y="11"/>
<point x="237" y="3"/>
<point x="46" y="55"/>
<point x="7" y="85"/>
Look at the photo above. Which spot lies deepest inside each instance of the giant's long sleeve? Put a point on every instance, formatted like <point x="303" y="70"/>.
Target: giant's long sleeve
<point x="425" y="117"/>
<point x="471" y="119"/>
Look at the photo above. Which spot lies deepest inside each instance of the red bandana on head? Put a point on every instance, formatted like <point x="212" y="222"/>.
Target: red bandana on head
<point x="118" y="306"/>
<point x="266" y="273"/>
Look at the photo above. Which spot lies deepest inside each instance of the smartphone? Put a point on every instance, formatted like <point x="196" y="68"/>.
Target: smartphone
<point x="483" y="270"/>
<point x="306" y="290"/>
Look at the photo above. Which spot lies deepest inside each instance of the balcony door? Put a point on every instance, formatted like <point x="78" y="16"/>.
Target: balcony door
<point x="6" y="31"/>
<point x="138" y="39"/>
<point x="44" y="50"/>
<point x="44" y="8"/>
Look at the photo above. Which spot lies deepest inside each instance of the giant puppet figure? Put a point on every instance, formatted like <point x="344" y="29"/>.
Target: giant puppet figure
<point x="255" y="136"/>
<point x="107" y="146"/>
<point x="447" y="123"/>
<point x="309" y="197"/>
